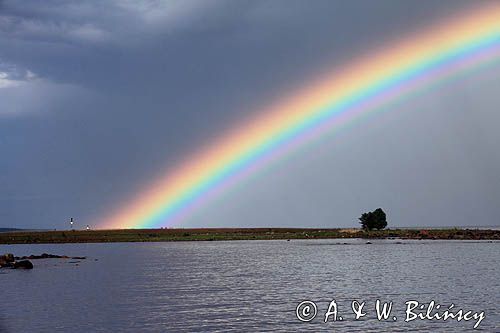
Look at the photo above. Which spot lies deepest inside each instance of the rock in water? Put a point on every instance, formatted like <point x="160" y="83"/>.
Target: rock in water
<point x="6" y="259"/>
<point x="26" y="264"/>
<point x="9" y="257"/>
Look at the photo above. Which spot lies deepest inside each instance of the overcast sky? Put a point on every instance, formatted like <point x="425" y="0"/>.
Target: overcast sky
<point x="98" y="98"/>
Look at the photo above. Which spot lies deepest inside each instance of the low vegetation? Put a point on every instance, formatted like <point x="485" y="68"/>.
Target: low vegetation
<point x="164" y="235"/>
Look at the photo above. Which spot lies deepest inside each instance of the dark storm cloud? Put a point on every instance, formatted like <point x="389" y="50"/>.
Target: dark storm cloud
<point x="99" y="97"/>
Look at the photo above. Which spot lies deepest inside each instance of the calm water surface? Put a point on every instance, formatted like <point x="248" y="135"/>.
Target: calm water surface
<point x="247" y="286"/>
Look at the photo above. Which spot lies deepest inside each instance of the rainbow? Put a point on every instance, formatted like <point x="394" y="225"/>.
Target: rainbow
<point x="360" y="87"/>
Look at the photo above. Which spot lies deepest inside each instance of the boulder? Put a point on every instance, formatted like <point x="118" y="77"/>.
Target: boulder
<point x="9" y="257"/>
<point x="6" y="259"/>
<point x="26" y="264"/>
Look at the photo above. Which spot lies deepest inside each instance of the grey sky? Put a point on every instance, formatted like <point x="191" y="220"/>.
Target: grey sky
<point x="97" y="98"/>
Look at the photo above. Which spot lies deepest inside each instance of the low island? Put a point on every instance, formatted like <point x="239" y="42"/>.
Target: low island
<point x="220" y="234"/>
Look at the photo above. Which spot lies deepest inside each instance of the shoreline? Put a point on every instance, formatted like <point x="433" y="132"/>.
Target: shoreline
<point x="223" y="234"/>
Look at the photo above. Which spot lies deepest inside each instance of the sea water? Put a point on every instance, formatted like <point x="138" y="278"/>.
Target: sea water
<point x="254" y="286"/>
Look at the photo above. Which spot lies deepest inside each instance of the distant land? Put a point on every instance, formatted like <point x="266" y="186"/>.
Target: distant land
<point x="221" y="234"/>
<point x="20" y="229"/>
<point x="9" y="229"/>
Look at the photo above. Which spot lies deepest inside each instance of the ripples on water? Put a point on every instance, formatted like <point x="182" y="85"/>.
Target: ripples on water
<point x="246" y="286"/>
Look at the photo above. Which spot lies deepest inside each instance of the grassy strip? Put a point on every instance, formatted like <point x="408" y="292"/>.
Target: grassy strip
<point x="214" y="234"/>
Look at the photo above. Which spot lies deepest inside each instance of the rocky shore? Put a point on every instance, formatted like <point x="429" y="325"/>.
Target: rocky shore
<point x="8" y="260"/>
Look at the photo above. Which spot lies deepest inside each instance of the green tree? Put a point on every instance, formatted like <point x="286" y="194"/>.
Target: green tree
<point x="373" y="220"/>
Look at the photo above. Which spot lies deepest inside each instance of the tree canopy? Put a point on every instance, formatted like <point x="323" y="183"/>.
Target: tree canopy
<point x="373" y="220"/>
